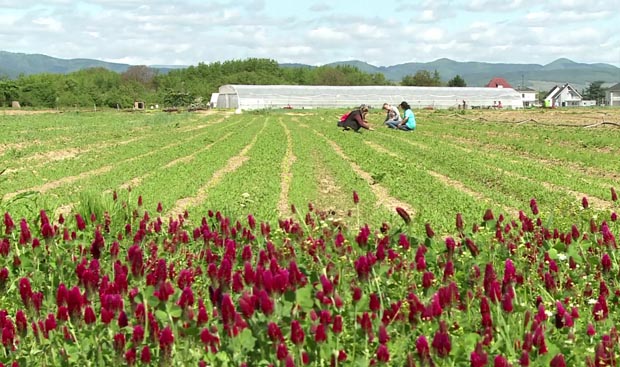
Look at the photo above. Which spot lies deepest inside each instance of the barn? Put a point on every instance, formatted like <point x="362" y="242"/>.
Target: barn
<point x="250" y="97"/>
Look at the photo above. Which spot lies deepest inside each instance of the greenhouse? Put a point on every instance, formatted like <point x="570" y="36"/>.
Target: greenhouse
<point x="249" y="97"/>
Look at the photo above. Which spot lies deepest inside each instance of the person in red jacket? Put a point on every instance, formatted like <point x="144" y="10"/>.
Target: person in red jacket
<point x="356" y="120"/>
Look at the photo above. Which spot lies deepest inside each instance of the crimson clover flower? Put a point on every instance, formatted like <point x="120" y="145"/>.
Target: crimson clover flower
<point x="166" y="339"/>
<point x="383" y="354"/>
<point x="281" y="351"/>
<point x="404" y="215"/>
<point x="384" y="337"/>
<point x="119" y="342"/>
<point x="274" y="332"/>
<point x="500" y="361"/>
<point x="25" y="291"/>
<point x="337" y="324"/>
<point x="320" y="334"/>
<point x="534" y="206"/>
<point x="297" y="333"/>
<point x="558" y="361"/>
<point x="488" y="215"/>
<point x="24" y="236"/>
<point x="81" y="224"/>
<point x="429" y="230"/>
<point x="478" y="358"/>
<point x="459" y="222"/>
<point x="130" y="356"/>
<point x="441" y="341"/>
<point x="8" y="224"/>
<point x="422" y="348"/>
<point x="145" y="355"/>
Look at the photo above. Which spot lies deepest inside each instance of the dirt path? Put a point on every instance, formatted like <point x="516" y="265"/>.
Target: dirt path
<point x="286" y="176"/>
<point x="380" y="192"/>
<point x="63" y="181"/>
<point x="331" y="196"/>
<point x="233" y="164"/>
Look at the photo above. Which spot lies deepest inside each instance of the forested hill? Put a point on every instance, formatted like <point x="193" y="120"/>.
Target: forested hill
<point x="534" y="76"/>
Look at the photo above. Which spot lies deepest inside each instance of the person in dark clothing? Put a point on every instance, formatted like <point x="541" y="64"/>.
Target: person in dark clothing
<point x="356" y="120"/>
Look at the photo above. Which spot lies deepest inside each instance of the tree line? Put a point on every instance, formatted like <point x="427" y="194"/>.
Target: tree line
<point x="101" y="87"/>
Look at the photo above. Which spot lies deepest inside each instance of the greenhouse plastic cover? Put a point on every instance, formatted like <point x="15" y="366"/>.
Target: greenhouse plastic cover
<point x="296" y="96"/>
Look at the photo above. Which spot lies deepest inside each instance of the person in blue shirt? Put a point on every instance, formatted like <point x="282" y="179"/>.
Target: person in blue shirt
<point x="408" y="122"/>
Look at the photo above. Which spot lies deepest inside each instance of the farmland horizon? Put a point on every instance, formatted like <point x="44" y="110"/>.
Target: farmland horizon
<point x="475" y="73"/>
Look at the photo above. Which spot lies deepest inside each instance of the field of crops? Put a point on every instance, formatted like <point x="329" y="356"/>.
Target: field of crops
<point x="482" y="238"/>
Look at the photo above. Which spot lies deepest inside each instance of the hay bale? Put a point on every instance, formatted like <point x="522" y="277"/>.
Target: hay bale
<point x="15" y="104"/>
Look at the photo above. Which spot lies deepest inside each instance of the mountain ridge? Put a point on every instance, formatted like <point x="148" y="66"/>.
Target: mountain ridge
<point x="535" y="76"/>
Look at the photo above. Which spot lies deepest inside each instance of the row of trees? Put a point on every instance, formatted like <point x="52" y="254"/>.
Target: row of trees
<point x="182" y="87"/>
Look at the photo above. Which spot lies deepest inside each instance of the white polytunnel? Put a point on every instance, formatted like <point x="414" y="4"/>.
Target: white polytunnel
<point x="251" y="97"/>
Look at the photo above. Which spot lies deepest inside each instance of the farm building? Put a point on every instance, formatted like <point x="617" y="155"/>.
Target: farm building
<point x="248" y="97"/>
<point x="528" y="95"/>
<point x="612" y="95"/>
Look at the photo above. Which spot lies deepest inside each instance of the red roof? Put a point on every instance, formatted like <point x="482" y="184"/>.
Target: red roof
<point x="498" y="83"/>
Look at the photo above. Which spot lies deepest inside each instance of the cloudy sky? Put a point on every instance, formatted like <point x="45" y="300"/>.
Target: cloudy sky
<point x="316" y="32"/>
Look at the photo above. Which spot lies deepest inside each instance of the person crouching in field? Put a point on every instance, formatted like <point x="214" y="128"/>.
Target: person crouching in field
<point x="392" y="114"/>
<point x="355" y="120"/>
<point x="408" y="122"/>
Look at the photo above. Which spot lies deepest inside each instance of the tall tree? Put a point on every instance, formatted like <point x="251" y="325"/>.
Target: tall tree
<point x="141" y="74"/>
<point x="422" y="78"/>
<point x="457" y="81"/>
<point x="594" y="92"/>
<point x="8" y="91"/>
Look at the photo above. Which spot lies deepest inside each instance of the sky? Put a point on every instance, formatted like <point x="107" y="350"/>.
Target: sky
<point x="314" y="32"/>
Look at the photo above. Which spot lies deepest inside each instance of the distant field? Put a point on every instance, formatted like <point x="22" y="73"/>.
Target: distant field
<point x="263" y="162"/>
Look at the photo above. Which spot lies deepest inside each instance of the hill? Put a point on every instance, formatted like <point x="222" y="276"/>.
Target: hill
<point x="475" y="74"/>
<point x="14" y="64"/>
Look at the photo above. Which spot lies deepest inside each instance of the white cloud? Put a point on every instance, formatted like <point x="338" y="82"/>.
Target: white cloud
<point x="49" y="24"/>
<point x="320" y="7"/>
<point x="433" y="34"/>
<point x="328" y="34"/>
<point x="428" y="15"/>
<point x="316" y="31"/>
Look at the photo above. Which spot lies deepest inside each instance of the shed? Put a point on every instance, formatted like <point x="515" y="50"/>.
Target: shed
<point x="248" y="97"/>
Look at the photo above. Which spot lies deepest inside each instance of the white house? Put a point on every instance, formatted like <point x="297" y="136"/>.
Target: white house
<point x="612" y="95"/>
<point x="528" y="95"/>
<point x="564" y="96"/>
